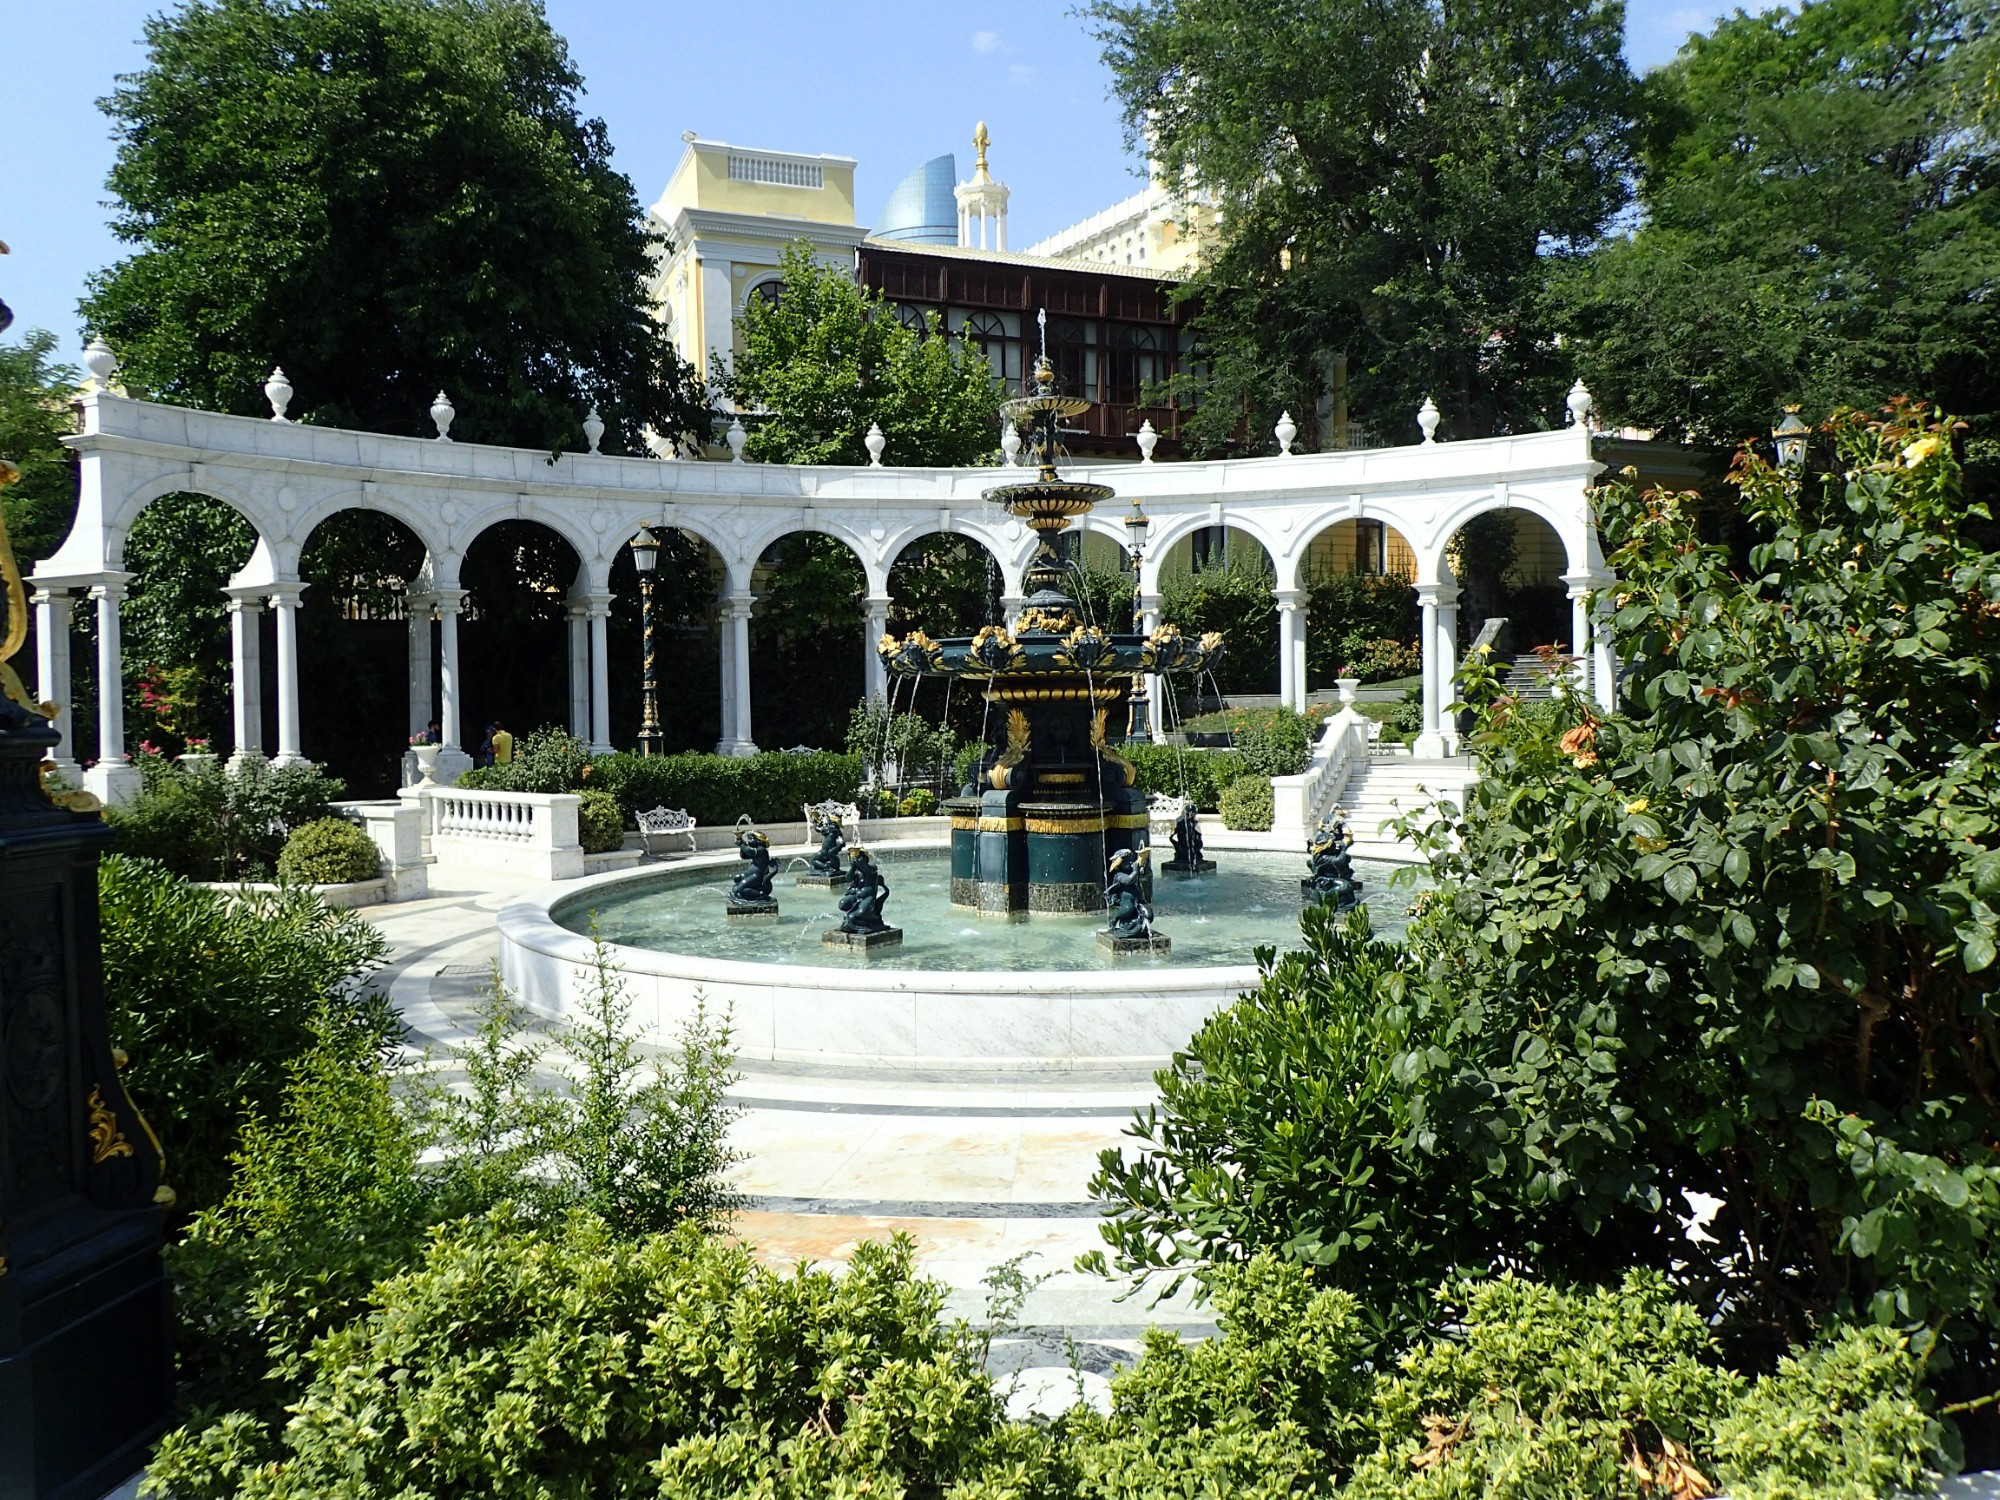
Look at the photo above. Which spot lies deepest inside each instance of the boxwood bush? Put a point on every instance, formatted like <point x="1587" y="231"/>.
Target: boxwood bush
<point x="328" y="851"/>
<point x="1176" y="771"/>
<point x="1247" y="803"/>
<point x="718" y="789"/>
<point x="600" y="825"/>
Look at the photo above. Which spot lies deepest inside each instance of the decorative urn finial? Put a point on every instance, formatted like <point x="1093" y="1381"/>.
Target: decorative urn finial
<point x="1427" y="419"/>
<point x="1285" y="431"/>
<point x="100" y="361"/>
<point x="593" y="428"/>
<point x="1579" y="403"/>
<point x="278" y="391"/>
<point x="443" y="413"/>
<point x="1010" y="442"/>
<point x="1148" y="439"/>
<point x="875" y="443"/>
<point x="736" y="437"/>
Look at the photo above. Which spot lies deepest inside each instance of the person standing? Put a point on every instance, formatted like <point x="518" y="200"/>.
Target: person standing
<point x="502" y="743"/>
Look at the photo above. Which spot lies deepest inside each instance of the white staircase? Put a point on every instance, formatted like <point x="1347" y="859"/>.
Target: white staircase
<point x="1380" y="787"/>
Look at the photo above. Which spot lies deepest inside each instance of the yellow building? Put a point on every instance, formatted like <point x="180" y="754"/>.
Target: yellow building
<point x="730" y="212"/>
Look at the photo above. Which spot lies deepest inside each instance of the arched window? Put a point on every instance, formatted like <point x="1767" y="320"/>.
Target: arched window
<point x="771" y="291"/>
<point x="1073" y="347"/>
<point x="991" y="334"/>
<point x="1138" y="360"/>
<point x="910" y="316"/>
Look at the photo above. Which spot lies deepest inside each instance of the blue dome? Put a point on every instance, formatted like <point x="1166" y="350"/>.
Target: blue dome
<point x="922" y="208"/>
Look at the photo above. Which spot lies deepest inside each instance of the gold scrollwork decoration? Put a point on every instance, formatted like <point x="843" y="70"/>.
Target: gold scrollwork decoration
<point x="1087" y="649"/>
<point x="1018" y="735"/>
<point x="1100" y="742"/>
<point x="106" y="1139"/>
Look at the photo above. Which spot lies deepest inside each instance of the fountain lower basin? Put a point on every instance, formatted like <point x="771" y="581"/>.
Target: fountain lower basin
<point x="964" y="991"/>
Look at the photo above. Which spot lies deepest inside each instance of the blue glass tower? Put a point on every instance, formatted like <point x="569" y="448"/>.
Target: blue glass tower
<point x="922" y="208"/>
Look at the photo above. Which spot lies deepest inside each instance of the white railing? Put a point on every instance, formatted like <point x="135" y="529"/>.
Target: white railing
<point x="534" y="833"/>
<point x="1299" y="802"/>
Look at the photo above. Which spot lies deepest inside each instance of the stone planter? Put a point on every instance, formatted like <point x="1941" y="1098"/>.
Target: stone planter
<point x="198" y="760"/>
<point x="426" y="763"/>
<point x="1350" y="688"/>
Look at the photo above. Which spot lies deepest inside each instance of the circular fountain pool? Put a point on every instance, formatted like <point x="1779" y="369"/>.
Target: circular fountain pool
<point x="963" y="990"/>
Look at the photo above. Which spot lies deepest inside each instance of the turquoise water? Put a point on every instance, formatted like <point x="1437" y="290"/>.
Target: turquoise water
<point x="1214" y="920"/>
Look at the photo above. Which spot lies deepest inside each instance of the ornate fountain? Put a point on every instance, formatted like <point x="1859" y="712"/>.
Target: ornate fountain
<point x="1055" y="800"/>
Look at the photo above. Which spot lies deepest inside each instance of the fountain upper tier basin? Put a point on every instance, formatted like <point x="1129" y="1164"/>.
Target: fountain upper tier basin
<point x="963" y="992"/>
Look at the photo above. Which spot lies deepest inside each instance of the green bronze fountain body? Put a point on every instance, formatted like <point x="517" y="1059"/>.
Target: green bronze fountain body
<point x="1055" y="799"/>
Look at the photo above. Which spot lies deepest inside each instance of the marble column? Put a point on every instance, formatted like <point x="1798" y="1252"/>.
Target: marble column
<point x="598" y="607"/>
<point x="725" y="639"/>
<point x="285" y="613"/>
<point x="737" y="734"/>
<point x="874" y="676"/>
<point x="1156" y="719"/>
<point x="1011" y="606"/>
<point x="114" y="779"/>
<point x="1590" y="638"/>
<point x="246" y="671"/>
<point x="1291" y="648"/>
<point x="1430" y="743"/>
<point x="449" y="602"/>
<point x="419" y="609"/>
<point x="1447" y="654"/>
<point x="579" y="669"/>
<point x="53" y="610"/>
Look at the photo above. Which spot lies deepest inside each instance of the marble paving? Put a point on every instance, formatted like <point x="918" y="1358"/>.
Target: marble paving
<point x="977" y="1171"/>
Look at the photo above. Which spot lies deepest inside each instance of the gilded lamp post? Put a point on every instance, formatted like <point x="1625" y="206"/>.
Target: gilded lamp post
<point x="646" y="558"/>
<point x="1137" y="525"/>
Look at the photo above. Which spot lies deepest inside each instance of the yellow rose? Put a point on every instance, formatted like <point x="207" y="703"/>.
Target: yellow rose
<point x="1638" y="806"/>
<point x="1923" y="448"/>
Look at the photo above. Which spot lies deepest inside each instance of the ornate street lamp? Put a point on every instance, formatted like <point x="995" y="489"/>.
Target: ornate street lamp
<point x="1790" y="435"/>
<point x="646" y="558"/>
<point x="1136" y="525"/>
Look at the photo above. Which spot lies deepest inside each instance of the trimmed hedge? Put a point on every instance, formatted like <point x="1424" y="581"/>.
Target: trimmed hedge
<point x="329" y="851"/>
<point x="718" y="789"/>
<point x="1180" y="772"/>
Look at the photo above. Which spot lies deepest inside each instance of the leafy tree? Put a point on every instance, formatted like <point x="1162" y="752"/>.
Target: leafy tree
<point x="174" y="624"/>
<point x="805" y="640"/>
<point x="34" y="416"/>
<point x="387" y="197"/>
<point x="828" y="358"/>
<point x="1822" y="223"/>
<point x="1398" y="181"/>
<point x="1234" y="600"/>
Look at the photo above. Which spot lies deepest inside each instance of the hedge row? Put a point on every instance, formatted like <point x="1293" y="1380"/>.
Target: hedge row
<point x="719" y="789"/>
<point x="1179" y="772"/>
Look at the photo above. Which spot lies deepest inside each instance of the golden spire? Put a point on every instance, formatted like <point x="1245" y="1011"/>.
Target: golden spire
<point x="980" y="141"/>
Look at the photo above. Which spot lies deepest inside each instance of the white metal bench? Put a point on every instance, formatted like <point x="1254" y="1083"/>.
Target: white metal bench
<point x="846" y="814"/>
<point x="663" y="822"/>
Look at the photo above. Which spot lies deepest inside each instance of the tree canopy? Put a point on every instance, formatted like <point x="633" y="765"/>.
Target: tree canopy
<point x="1821" y="196"/>
<point x="35" y="413"/>
<point x="1398" y="181"/>
<point x="827" y="358"/>
<point x="388" y="198"/>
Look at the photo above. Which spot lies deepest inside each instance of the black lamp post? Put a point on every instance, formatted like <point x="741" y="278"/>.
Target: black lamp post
<point x="1136" y="525"/>
<point x="1790" y="436"/>
<point x="646" y="558"/>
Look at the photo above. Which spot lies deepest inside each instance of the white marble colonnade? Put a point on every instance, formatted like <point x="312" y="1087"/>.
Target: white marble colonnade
<point x="286" y="478"/>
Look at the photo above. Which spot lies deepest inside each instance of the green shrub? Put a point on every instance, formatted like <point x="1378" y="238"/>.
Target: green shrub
<point x="717" y="789"/>
<point x="482" y="779"/>
<point x="339" y="1180"/>
<point x="545" y="760"/>
<point x="1280" y="747"/>
<point x="920" y="803"/>
<point x="1176" y="771"/>
<point x="887" y="804"/>
<point x="208" y="822"/>
<point x="329" y="851"/>
<point x="512" y="1362"/>
<point x="600" y="825"/>
<point x="1382" y="660"/>
<point x="212" y="995"/>
<point x="1247" y="803"/>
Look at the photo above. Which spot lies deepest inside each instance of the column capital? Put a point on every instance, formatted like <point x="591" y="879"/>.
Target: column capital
<point x="598" y="606"/>
<point x="448" y="601"/>
<point x="1290" y="598"/>
<point x="878" y="603"/>
<point x="1581" y="584"/>
<point x="1436" y="595"/>
<point x="111" y="586"/>
<point x="55" y="598"/>
<point x="284" y="595"/>
<point x="738" y="606"/>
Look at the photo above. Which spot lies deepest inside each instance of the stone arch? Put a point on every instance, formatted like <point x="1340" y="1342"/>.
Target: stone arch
<point x="518" y="574"/>
<point x="364" y="568"/>
<point x="808" y="644"/>
<point x="421" y="522"/>
<point x="689" y="581"/>
<point x="1355" y="575"/>
<point x="117" y="529"/>
<point x="1207" y="579"/>
<point x="1509" y="561"/>
<point x="932" y="587"/>
<point x="753" y="548"/>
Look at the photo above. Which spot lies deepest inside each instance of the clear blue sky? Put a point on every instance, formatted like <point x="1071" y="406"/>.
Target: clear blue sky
<point x="889" y="82"/>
